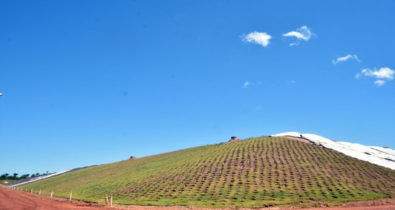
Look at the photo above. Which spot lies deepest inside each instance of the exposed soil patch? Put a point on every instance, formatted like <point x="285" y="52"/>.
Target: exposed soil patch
<point x="16" y="200"/>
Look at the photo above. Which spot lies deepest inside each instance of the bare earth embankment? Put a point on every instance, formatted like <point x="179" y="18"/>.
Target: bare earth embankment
<point x="16" y="200"/>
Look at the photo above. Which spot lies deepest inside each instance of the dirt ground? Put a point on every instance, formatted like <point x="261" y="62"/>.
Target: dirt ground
<point x="16" y="200"/>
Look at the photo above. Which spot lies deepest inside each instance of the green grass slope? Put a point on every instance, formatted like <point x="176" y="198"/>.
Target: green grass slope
<point x="255" y="172"/>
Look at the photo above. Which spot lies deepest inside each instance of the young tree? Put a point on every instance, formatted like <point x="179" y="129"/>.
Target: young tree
<point x="15" y="176"/>
<point x="24" y="176"/>
<point x="4" y="176"/>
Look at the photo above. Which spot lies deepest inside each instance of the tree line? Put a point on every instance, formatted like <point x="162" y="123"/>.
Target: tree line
<point x="15" y="176"/>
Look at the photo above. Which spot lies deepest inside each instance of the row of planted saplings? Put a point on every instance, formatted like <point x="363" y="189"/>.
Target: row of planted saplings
<point x="108" y="199"/>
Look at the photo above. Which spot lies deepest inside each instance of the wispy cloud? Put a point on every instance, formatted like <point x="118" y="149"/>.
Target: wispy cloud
<point x="345" y="58"/>
<point x="261" y="38"/>
<point x="301" y="34"/>
<point x="379" y="82"/>
<point x="250" y="84"/>
<point x="381" y="75"/>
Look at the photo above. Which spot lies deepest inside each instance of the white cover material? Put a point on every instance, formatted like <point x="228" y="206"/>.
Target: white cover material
<point x="373" y="154"/>
<point x="38" y="178"/>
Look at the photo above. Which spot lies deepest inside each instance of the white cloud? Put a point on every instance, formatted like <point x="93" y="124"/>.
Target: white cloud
<point x="345" y="58"/>
<point x="261" y="38"/>
<point x="302" y="33"/>
<point x="381" y="75"/>
<point x="379" y="82"/>
<point x="250" y="84"/>
<point x="246" y="84"/>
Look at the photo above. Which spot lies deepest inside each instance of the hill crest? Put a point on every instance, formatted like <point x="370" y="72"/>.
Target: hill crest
<point x="256" y="172"/>
<point x="374" y="154"/>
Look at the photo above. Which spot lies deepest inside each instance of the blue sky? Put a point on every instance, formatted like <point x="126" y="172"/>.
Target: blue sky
<point x="91" y="82"/>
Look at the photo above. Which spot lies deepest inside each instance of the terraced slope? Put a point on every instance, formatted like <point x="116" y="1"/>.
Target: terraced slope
<point x="255" y="172"/>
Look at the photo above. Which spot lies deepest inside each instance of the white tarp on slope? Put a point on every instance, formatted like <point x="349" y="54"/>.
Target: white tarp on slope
<point x="38" y="178"/>
<point x="373" y="154"/>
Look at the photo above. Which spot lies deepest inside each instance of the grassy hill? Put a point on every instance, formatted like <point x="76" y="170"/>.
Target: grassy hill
<point x="255" y="172"/>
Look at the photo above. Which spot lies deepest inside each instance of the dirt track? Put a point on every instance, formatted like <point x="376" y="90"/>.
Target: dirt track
<point x="15" y="200"/>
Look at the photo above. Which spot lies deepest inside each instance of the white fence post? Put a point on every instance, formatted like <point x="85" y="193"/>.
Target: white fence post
<point x="71" y="194"/>
<point x="111" y="201"/>
<point x="39" y="192"/>
<point x="51" y="194"/>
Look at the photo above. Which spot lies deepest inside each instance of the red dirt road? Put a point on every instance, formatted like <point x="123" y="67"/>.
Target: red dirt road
<point x="16" y="200"/>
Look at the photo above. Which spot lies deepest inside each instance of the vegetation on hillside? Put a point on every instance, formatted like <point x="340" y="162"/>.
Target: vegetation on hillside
<point x="255" y="172"/>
